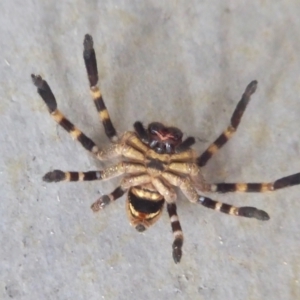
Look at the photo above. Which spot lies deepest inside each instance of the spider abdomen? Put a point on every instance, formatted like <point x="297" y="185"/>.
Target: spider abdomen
<point x="144" y="207"/>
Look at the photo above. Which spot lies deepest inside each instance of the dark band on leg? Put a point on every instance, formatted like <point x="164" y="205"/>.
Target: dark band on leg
<point x="45" y="92"/>
<point x="110" y="131"/>
<point x="117" y="193"/>
<point x="48" y="97"/>
<point x="103" y="201"/>
<point x="54" y="176"/>
<point x="66" y="124"/>
<point x="204" y="158"/>
<point x="256" y="187"/>
<point x="177" y="232"/>
<point x="287" y="181"/>
<point x="252" y="212"/>
<point x="86" y="142"/>
<point x="90" y="60"/>
<point x="234" y="123"/>
<point x="58" y="175"/>
<point x="241" y="106"/>
<point x="241" y="187"/>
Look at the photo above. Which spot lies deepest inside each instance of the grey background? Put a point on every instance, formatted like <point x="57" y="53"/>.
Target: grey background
<point x="185" y="63"/>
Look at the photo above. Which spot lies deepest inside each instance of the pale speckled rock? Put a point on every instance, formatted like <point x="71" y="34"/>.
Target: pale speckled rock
<point x="181" y="62"/>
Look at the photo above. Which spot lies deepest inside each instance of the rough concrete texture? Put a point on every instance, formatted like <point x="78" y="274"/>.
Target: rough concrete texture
<point x="185" y="63"/>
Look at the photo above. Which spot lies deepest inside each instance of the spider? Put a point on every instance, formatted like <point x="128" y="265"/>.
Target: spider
<point x="154" y="161"/>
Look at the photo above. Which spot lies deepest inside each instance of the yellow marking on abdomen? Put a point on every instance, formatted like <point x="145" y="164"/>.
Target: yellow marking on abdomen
<point x="141" y="193"/>
<point x="140" y="215"/>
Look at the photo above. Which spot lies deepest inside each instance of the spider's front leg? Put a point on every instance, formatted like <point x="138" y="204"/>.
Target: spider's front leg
<point x="45" y="92"/>
<point x="89" y="57"/>
<point x="231" y="129"/>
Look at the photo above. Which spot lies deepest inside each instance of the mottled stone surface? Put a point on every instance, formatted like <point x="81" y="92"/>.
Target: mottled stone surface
<point x="185" y="63"/>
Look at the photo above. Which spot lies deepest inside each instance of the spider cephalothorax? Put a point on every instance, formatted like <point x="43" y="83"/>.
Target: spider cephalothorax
<point x="163" y="139"/>
<point x="154" y="161"/>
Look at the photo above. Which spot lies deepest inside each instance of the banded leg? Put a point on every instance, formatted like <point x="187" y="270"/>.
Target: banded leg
<point x="256" y="187"/>
<point x="120" y="191"/>
<point x="170" y="197"/>
<point x="177" y="232"/>
<point x="104" y="200"/>
<point x="57" y="175"/>
<point x="244" y="211"/>
<point x="48" y="97"/>
<point x="89" y="57"/>
<point x="234" y="123"/>
<point x="110" y="172"/>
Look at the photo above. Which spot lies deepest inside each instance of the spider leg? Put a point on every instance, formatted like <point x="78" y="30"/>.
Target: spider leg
<point x="110" y="172"/>
<point x="256" y="187"/>
<point x="126" y="183"/>
<point x="45" y="92"/>
<point x="104" y="200"/>
<point x="177" y="232"/>
<point x="58" y="175"/>
<point x="89" y="57"/>
<point x="234" y="123"/>
<point x="184" y="183"/>
<point x="244" y="211"/>
<point x="170" y="197"/>
<point x="48" y="97"/>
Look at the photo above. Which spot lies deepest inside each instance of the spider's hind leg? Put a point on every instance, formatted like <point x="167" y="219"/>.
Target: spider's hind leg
<point x="170" y="197"/>
<point x="177" y="232"/>
<point x="92" y="72"/>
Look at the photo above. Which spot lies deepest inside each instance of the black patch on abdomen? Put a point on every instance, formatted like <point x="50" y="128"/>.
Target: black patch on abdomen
<point x="143" y="205"/>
